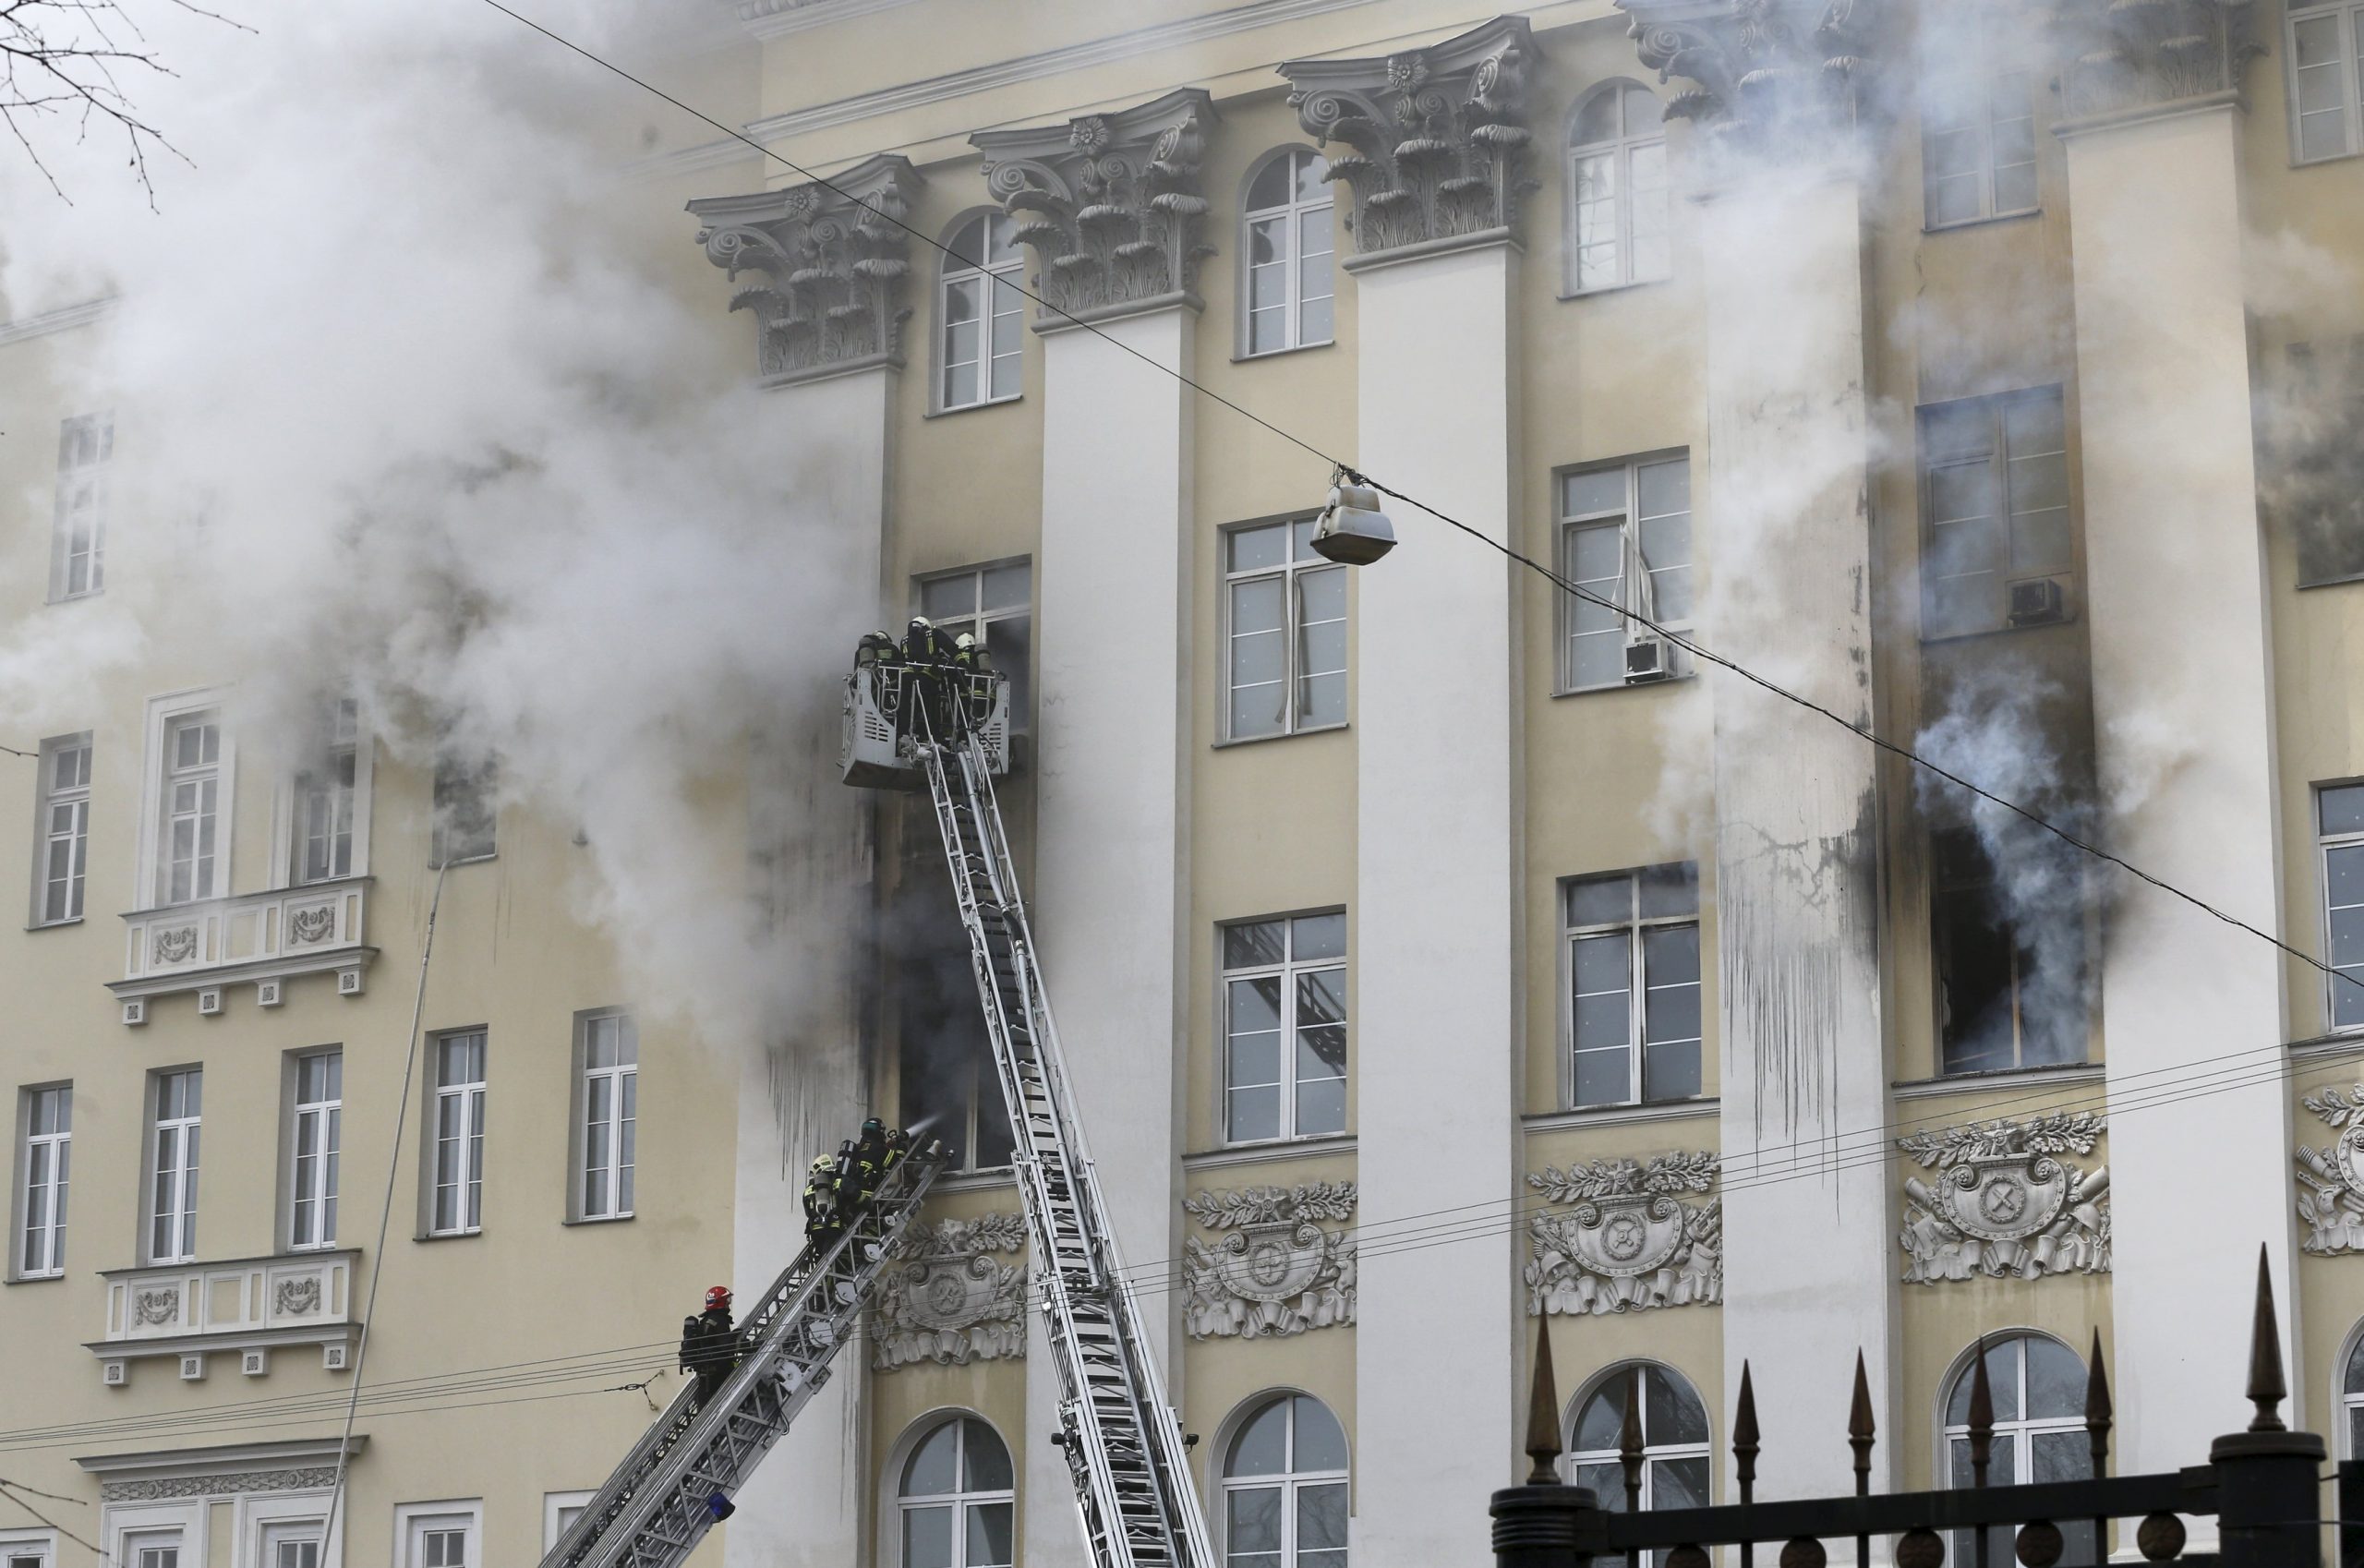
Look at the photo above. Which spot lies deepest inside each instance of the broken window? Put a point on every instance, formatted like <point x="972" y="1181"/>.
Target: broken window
<point x="466" y="790"/>
<point x="950" y="1087"/>
<point x="1285" y="633"/>
<point x="2009" y="926"/>
<point x="995" y="604"/>
<point x="2314" y="484"/>
<point x="1996" y="544"/>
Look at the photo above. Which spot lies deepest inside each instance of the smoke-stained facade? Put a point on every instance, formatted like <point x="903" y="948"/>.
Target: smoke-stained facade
<point x="1435" y="950"/>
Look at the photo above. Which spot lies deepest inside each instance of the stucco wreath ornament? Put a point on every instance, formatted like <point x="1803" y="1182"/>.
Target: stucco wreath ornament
<point x="946" y="1302"/>
<point x="1628" y="1243"/>
<point x="2331" y="1179"/>
<point x="2005" y="1202"/>
<point x="1276" y="1273"/>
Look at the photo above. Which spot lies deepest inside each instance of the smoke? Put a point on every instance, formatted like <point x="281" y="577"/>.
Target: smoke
<point x="2307" y="401"/>
<point x="406" y="412"/>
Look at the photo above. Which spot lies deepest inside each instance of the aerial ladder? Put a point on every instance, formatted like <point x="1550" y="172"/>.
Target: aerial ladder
<point x="947" y="731"/>
<point x="677" y="1480"/>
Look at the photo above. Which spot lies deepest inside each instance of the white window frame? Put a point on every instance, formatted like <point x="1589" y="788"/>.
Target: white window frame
<point x="957" y="270"/>
<point x="1288" y="1480"/>
<point x="1293" y="212"/>
<point x="38" y="1548"/>
<point x="979" y="623"/>
<point x="556" y="1507"/>
<point x="604" y="1192"/>
<point x="81" y="487"/>
<point x="258" y="1519"/>
<point x="1298" y="565"/>
<point x="2021" y="1429"/>
<point x="124" y="1528"/>
<point x="2347" y="21"/>
<point x="1633" y="926"/>
<point x="313" y="1179"/>
<point x="1626" y="198"/>
<point x="165" y="713"/>
<point x="180" y="1180"/>
<point x="959" y="1500"/>
<point x="1653" y="1453"/>
<point x="75" y="798"/>
<point x="293" y="812"/>
<point x="1288" y="971"/>
<point x="1633" y="574"/>
<point x="2324" y="844"/>
<point x="1954" y="58"/>
<point x="45" y="1214"/>
<point x="2000" y="457"/>
<point x="414" y="1521"/>
<point x="465" y="1145"/>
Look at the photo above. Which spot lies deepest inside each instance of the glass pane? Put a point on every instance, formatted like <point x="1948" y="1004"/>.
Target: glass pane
<point x="989" y="1535"/>
<point x="1257" y="606"/>
<point x="1597" y="121"/>
<point x="1604" y="1077"/>
<point x="1320" y="1521"/>
<point x="1597" y="555"/>
<point x="1267" y="287"/>
<point x="1663" y="487"/>
<point x="1008" y="588"/>
<point x="2060" y="1457"/>
<point x="1679" y="1483"/>
<point x="1258" y="658"/>
<point x="1322" y="1105"/>
<point x="1268" y="329"/>
<point x="961" y="380"/>
<point x="927" y="1538"/>
<point x="1315" y="325"/>
<point x="1254" y="1006"/>
<point x="968" y="246"/>
<point x="1312" y="177"/>
<point x="1270" y="186"/>
<point x="1262" y="1447"/>
<point x="1254" y="1523"/>
<point x="1318" y="936"/>
<point x="2341" y="808"/>
<point x="2056" y="1380"/>
<point x="1670" y="889"/>
<point x="1321" y="1445"/>
<point x="1600" y="901"/>
<point x="1671" y="1072"/>
<point x="1322" y="997"/>
<point x="1253" y="944"/>
<point x="2015" y="189"/>
<point x="2003" y="1382"/>
<point x="1607" y="1480"/>
<point x="1670" y="1410"/>
<point x="1603" y="489"/>
<point x="986" y="1460"/>
<point x="1644" y="113"/>
<point x="1255" y="550"/>
<point x="931" y="1472"/>
<point x="1253" y="1113"/>
<point x="1603" y="1414"/>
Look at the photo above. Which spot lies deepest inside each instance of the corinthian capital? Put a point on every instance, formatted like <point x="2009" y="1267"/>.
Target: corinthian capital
<point x="835" y="261"/>
<point x="2131" y="53"/>
<point x="1436" y="144"/>
<point x="1110" y="203"/>
<point x="1777" y="77"/>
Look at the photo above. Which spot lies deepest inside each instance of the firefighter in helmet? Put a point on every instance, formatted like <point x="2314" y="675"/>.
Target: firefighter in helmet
<point x="708" y="1347"/>
<point x="821" y="1202"/>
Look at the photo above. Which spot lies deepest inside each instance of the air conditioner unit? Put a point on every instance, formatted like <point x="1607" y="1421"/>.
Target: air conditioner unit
<point x="2037" y="602"/>
<point x="1648" y="658"/>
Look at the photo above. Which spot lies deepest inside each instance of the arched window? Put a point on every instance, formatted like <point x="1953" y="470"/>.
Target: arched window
<point x="2038" y="1388"/>
<point x="955" y="1498"/>
<point x="1617" y="188"/>
<point x="1289" y="292"/>
<point x="1674" y="1440"/>
<point x="2351" y="1397"/>
<point x="980" y="313"/>
<point x="1285" y="1488"/>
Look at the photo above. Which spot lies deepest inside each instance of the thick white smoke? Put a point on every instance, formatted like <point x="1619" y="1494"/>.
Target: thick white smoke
<point x="403" y="412"/>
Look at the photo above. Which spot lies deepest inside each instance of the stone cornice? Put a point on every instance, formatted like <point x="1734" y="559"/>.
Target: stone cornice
<point x="1110" y="204"/>
<point x="1436" y="144"/>
<point x="2125" y="57"/>
<point x="768" y="20"/>
<point x="835" y="262"/>
<point x="225" y="1459"/>
<point x="1775" y="78"/>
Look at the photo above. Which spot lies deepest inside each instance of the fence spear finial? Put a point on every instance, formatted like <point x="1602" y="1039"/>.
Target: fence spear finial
<point x="2267" y="1390"/>
<point x="1629" y="1438"/>
<point x="1543" y="1413"/>
<point x="1861" y="1429"/>
<point x="1744" y="1436"/>
<point x="1982" y="1416"/>
<point x="2098" y="1409"/>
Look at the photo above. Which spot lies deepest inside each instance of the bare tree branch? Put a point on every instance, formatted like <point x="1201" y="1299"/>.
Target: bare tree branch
<point x="63" y="67"/>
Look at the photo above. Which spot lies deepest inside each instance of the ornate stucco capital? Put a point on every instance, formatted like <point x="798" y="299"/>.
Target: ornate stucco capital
<point x="2133" y="55"/>
<point x="1776" y="79"/>
<point x="1436" y="141"/>
<point x="835" y="264"/>
<point x="1110" y="204"/>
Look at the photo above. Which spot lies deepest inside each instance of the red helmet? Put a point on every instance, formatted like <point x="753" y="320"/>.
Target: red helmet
<point x="719" y="1297"/>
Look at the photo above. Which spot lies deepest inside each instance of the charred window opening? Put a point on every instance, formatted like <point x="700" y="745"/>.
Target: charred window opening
<point x="2317" y="458"/>
<point x="2009" y="926"/>
<point x="1996" y="545"/>
<point x="945" y="1065"/>
<point x="467" y="789"/>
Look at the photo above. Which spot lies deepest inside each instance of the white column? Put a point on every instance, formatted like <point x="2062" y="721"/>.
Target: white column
<point x="1810" y="1256"/>
<point x="799" y="1096"/>
<point x="1111" y="893"/>
<point x="2183" y="695"/>
<point x="1437" y="1025"/>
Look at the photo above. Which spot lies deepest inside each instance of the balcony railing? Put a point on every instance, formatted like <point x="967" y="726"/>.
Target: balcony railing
<point x="262" y="939"/>
<point x="249" y="1306"/>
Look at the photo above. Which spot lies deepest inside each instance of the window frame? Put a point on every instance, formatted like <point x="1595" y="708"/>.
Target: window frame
<point x="258" y="1517"/>
<point x="48" y="797"/>
<point x="1983" y="71"/>
<point x="1947" y="896"/>
<point x="413" y="1521"/>
<point x="2020" y="1428"/>
<point x="1293" y="299"/>
<point x="1290" y="1481"/>
<point x="556" y="1507"/>
<point x="37" y="1547"/>
<point x="956" y="268"/>
<point x="209" y="871"/>
<point x="2347" y="18"/>
<point x="472" y="1095"/>
<point x="1568" y="524"/>
<point x="620" y="1124"/>
<point x="1289" y="970"/>
<point x="345" y="743"/>
<point x="320" y="1191"/>
<point x="186" y="1171"/>
<point x="899" y="1505"/>
<point x="1290" y="573"/>
<point x="1653" y="1453"/>
<point x="2000" y="458"/>
<point x="1632" y="927"/>
<point x="73" y="473"/>
<point x="1626" y="144"/>
<point x="163" y="713"/>
<point x="2324" y="844"/>
<point x="452" y="777"/>
<point x="53" y="1218"/>
<point x="980" y="620"/>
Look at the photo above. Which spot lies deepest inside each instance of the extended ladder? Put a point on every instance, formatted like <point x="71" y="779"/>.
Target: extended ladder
<point x="655" y="1507"/>
<point x="1124" y="1449"/>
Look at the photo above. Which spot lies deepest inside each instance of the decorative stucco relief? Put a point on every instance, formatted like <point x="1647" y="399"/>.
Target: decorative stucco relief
<point x="1276" y="1273"/>
<point x="836" y="261"/>
<point x="1628" y="1243"/>
<point x="945" y="1301"/>
<point x="297" y="1297"/>
<point x="1110" y="204"/>
<point x="318" y="1477"/>
<point x="2004" y="1203"/>
<point x="1779" y="76"/>
<point x="2131" y="53"/>
<point x="2331" y="1179"/>
<point x="1434" y="138"/>
<point x="160" y="1306"/>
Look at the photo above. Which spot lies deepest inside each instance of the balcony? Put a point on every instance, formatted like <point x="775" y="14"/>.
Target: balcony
<point x="249" y="1306"/>
<point x="260" y="939"/>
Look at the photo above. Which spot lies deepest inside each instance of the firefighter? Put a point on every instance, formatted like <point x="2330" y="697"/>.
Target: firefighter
<point x="821" y="1202"/>
<point x="929" y="653"/>
<point x="876" y="647"/>
<point x="869" y="1159"/>
<point x="923" y="644"/>
<point x="844" y="1188"/>
<point x="899" y="1144"/>
<point x="708" y="1349"/>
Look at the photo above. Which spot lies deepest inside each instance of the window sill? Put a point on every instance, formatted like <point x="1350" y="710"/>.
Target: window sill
<point x="2298" y="163"/>
<point x="1688" y="675"/>
<point x="35" y="1278"/>
<point x="936" y="413"/>
<point x="1283" y="352"/>
<point x="2332" y="582"/>
<point x="77" y="599"/>
<point x="1980" y="222"/>
<point x="52" y="925"/>
<point x="449" y="1234"/>
<point x="976" y="1181"/>
<point x="447" y="866"/>
<point x="597" y="1220"/>
<point x="2344" y="1043"/>
<point x="1285" y="735"/>
<point x="1308" y="1148"/>
<point x="1626" y="287"/>
<point x="1622" y="1116"/>
<point x="1996" y="1078"/>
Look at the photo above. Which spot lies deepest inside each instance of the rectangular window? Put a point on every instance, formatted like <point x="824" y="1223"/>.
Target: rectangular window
<point x="465" y="795"/>
<point x="1285" y="1028"/>
<point x="2009" y="937"/>
<point x="177" y="1109"/>
<point x="1995" y="508"/>
<point x="458" y="1200"/>
<point x="291" y="1545"/>
<point x="1285" y="629"/>
<point x="947" y="1081"/>
<point x="1977" y="129"/>
<point x="79" y="540"/>
<point x="2320" y="51"/>
<point x="324" y="794"/>
<point x="608" y="1048"/>
<point x="2339" y="826"/>
<point x="1624" y="537"/>
<point x="1633" y="980"/>
<point x="159" y="1550"/>
<point x="28" y="1553"/>
<point x="2317" y="489"/>
<point x="995" y="604"/>
<point x="440" y="1536"/>
<point x="44" y="1170"/>
<point x="318" y="1144"/>
<point x="65" y="829"/>
<point x="189" y="867"/>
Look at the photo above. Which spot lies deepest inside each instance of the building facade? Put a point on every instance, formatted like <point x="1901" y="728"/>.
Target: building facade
<point x="1437" y="948"/>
